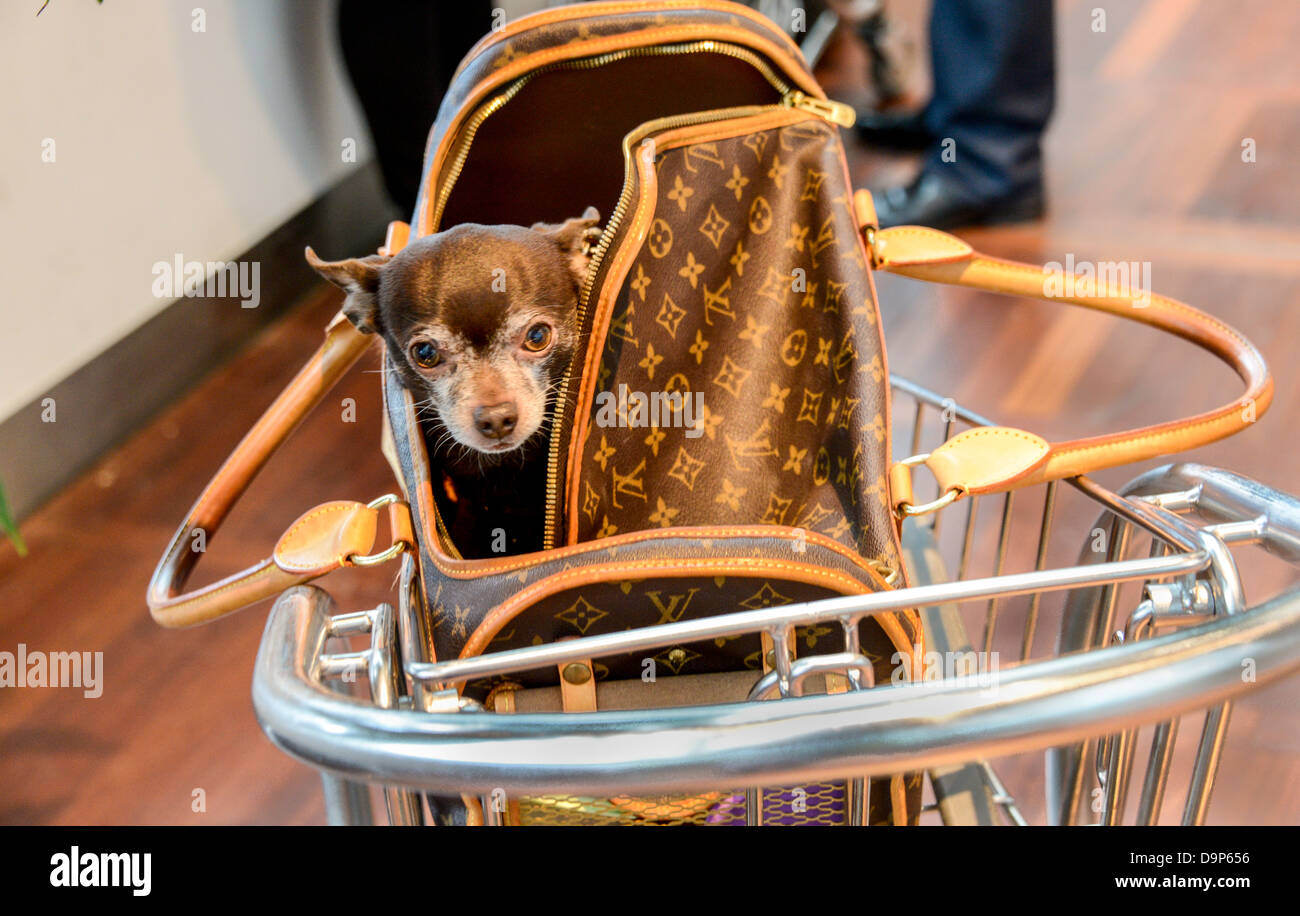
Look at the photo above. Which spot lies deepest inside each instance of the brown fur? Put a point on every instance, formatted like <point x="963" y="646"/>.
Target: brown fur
<point x="475" y="293"/>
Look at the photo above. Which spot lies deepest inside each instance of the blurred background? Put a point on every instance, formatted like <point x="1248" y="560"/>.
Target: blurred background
<point x="142" y="132"/>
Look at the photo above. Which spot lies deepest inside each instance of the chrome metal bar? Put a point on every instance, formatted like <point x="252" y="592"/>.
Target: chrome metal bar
<point x="493" y="813"/>
<point x="781" y="661"/>
<point x="413" y="634"/>
<point x="771" y="683"/>
<point x="801" y="614"/>
<point x="1044" y="530"/>
<point x="356" y="623"/>
<point x="991" y="616"/>
<point x="1247" y="532"/>
<point x="1066" y="811"/>
<point x="1223" y="496"/>
<point x="1002" y="797"/>
<point x="1207" y="764"/>
<point x="890" y="729"/>
<point x="917" y="421"/>
<point x="857" y="801"/>
<point x="347" y="803"/>
<point x="852" y="645"/>
<point x="1157" y="778"/>
<point x="1110" y="593"/>
<point x="405" y="808"/>
<point x="967" y="538"/>
<point x="857" y="786"/>
<point x="754" y="807"/>
<point x="345" y="665"/>
<point x="1117" y="770"/>
<point x="921" y="393"/>
<point x="939" y="516"/>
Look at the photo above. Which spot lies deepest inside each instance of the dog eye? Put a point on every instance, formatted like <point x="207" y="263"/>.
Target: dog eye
<point x="538" y="336"/>
<point x="426" y="354"/>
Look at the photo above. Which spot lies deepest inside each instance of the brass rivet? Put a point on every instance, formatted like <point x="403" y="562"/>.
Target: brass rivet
<point x="577" y="673"/>
<point x="676" y="656"/>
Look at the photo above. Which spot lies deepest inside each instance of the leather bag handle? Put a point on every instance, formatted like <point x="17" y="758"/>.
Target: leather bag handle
<point x="996" y="459"/>
<point x="330" y="536"/>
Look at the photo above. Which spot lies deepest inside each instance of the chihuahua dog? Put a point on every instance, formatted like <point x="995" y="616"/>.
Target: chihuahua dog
<point x="480" y="323"/>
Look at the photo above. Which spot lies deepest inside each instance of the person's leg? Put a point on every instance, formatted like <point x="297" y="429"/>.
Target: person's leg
<point x="994" y="86"/>
<point x="400" y="58"/>
<point x="994" y="89"/>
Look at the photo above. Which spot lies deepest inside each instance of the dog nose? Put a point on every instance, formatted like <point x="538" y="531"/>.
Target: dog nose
<point x="497" y="421"/>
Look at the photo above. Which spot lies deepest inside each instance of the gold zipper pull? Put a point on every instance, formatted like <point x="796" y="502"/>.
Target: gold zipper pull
<point x="835" y="112"/>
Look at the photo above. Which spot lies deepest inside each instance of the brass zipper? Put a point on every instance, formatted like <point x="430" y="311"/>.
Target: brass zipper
<point x="790" y="97"/>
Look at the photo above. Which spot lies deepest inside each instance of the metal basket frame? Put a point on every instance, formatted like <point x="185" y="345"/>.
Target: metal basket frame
<point x="1180" y="650"/>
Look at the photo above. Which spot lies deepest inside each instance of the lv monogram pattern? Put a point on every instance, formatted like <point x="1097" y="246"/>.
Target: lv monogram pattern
<point x="751" y="290"/>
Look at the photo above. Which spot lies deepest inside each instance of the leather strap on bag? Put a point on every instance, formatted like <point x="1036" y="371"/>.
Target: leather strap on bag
<point x="995" y="459"/>
<point x="332" y="535"/>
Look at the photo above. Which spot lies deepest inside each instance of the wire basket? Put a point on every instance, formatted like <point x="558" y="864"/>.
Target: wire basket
<point x="1075" y="662"/>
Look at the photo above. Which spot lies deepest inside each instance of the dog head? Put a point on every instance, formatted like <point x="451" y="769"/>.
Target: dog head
<point x="480" y="321"/>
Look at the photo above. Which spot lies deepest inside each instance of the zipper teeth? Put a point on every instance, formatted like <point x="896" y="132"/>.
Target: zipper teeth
<point x="466" y="140"/>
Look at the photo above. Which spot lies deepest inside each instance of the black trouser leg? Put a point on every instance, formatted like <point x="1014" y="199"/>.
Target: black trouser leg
<point x="400" y="57"/>
<point x="994" y="68"/>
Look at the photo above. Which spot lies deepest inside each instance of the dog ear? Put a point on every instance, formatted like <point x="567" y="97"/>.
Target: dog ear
<point x="359" y="278"/>
<point x="577" y="238"/>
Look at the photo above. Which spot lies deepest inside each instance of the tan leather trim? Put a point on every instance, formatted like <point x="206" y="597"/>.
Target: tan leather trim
<point x="864" y="208"/>
<point x="501" y="699"/>
<point x="399" y="233"/>
<point x="399" y="524"/>
<point x="900" y="486"/>
<point x="675" y="568"/>
<point x="563" y="14"/>
<point x="578" y="697"/>
<point x="1080" y="456"/>
<point x="709" y="131"/>
<point x="322" y="539"/>
<point x="898" y="799"/>
<point x="473" y="810"/>
<point x="906" y="245"/>
<point x="591" y="48"/>
<point x="985" y="457"/>
<point x="341" y="348"/>
<point x="471" y="569"/>
<point x="246" y="587"/>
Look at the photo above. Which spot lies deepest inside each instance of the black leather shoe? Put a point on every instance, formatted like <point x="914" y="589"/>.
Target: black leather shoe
<point x="894" y="130"/>
<point x="936" y="199"/>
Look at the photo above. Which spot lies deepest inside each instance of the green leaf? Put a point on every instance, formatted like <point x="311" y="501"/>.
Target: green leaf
<point x="9" y="526"/>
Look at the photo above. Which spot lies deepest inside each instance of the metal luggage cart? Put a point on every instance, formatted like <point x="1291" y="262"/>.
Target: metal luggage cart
<point x="1151" y="624"/>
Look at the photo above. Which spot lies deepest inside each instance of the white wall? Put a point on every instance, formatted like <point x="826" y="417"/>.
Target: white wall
<point x="167" y="141"/>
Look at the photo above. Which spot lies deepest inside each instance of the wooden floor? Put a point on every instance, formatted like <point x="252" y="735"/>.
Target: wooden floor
<point x="1144" y="162"/>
